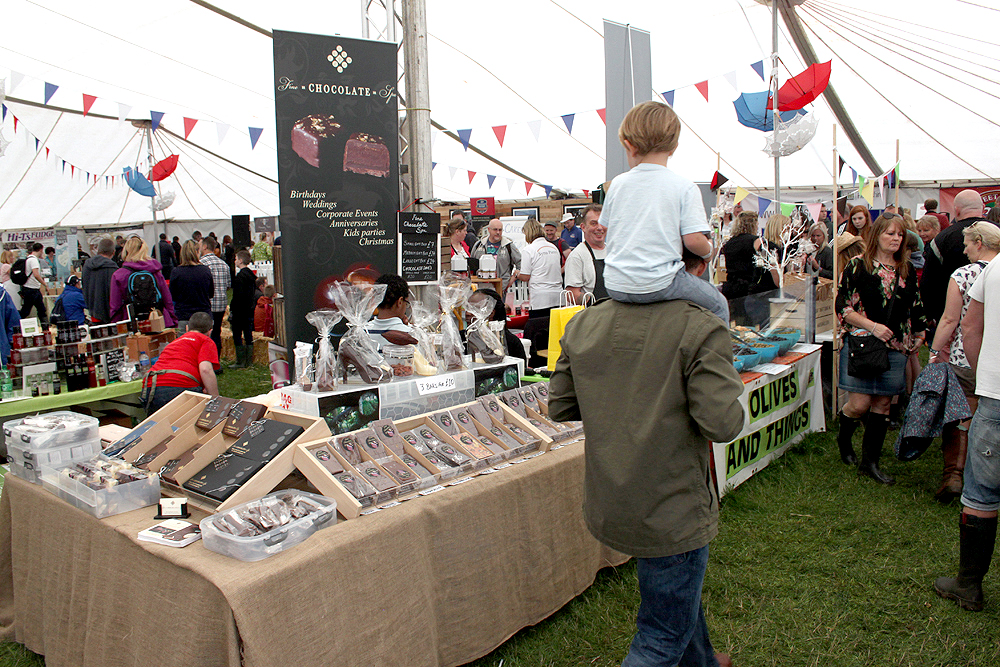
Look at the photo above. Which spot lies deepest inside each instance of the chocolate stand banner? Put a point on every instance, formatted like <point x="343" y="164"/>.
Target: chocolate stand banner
<point x="338" y="175"/>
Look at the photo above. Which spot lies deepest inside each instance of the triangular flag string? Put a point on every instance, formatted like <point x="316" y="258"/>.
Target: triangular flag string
<point x="189" y="124"/>
<point x="464" y="136"/>
<point x="50" y="90"/>
<point x="255" y="133"/>
<point x="489" y="179"/>
<point x="155" y="117"/>
<point x="568" y="120"/>
<point x="88" y="101"/>
<point x="500" y="131"/>
<point x="702" y="87"/>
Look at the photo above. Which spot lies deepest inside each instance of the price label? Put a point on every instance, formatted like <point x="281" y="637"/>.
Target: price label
<point x="435" y="384"/>
<point x="433" y="489"/>
<point x="462" y="481"/>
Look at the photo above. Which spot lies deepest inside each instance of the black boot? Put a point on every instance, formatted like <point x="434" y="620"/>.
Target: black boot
<point x="977" y="538"/>
<point x="871" y="448"/>
<point x="848" y="425"/>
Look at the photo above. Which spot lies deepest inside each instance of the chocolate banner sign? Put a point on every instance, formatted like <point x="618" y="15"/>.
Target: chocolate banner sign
<point x="338" y="169"/>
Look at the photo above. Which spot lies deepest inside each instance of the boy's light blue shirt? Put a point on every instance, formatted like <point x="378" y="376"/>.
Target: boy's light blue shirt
<point x="647" y="210"/>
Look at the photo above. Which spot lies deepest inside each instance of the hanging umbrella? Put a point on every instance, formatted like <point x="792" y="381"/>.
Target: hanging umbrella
<point x="791" y="137"/>
<point x="751" y="111"/>
<point x="163" y="168"/>
<point x="803" y="88"/>
<point x="138" y="182"/>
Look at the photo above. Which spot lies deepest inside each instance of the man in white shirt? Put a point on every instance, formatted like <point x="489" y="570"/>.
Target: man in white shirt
<point x="31" y="292"/>
<point x="981" y="492"/>
<point x="585" y="264"/>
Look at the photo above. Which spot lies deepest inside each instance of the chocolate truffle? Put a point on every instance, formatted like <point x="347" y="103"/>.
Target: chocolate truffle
<point x="311" y="136"/>
<point x="366" y="154"/>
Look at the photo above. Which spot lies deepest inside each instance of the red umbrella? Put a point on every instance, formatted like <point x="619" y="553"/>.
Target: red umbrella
<point x="163" y="168"/>
<point x="803" y="88"/>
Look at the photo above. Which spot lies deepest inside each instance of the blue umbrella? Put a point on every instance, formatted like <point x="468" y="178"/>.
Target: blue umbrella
<point x="752" y="111"/>
<point x="139" y="183"/>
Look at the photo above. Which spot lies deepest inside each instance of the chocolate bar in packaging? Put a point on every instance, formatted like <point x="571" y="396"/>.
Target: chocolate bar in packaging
<point x="492" y="405"/>
<point x="444" y="420"/>
<point x="223" y="476"/>
<point x="371" y="445"/>
<point x="375" y="476"/>
<point x="214" y="413"/>
<point x="326" y="457"/>
<point x="463" y="418"/>
<point x="474" y="447"/>
<point x="263" y="440"/>
<point x="348" y="447"/>
<point x="513" y="399"/>
<point x="356" y="486"/>
<point x="386" y="431"/>
<point x="241" y="415"/>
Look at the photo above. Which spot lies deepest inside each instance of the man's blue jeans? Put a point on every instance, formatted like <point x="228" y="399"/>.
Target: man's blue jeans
<point x="671" y="622"/>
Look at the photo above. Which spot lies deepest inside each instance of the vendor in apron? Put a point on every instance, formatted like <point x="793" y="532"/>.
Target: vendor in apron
<point x="585" y="265"/>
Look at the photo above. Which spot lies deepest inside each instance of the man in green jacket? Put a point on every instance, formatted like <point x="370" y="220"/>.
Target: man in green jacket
<point x="653" y="384"/>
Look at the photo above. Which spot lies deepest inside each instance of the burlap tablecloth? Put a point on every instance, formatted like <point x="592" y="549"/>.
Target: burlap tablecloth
<point x="439" y="580"/>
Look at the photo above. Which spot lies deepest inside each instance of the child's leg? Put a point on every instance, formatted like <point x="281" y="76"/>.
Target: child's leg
<point x="700" y="292"/>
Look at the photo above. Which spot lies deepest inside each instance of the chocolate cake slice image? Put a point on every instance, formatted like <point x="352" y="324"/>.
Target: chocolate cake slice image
<point x="366" y="154"/>
<point x="314" y="139"/>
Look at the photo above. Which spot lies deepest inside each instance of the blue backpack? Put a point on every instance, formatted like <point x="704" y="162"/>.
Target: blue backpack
<point x="143" y="293"/>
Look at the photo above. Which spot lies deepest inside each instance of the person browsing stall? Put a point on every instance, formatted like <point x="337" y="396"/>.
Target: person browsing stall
<point x="190" y="286"/>
<point x="652" y="214"/>
<point x="220" y="284"/>
<point x="34" y="287"/>
<point x="507" y="255"/>
<point x="71" y="302"/>
<point x="391" y="314"/>
<point x="140" y="282"/>
<point x="571" y="235"/>
<point x="97" y="274"/>
<point x="241" y="310"/>
<point x="585" y="265"/>
<point x="186" y="364"/>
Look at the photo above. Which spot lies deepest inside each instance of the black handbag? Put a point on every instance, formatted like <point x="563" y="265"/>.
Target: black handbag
<point x="867" y="356"/>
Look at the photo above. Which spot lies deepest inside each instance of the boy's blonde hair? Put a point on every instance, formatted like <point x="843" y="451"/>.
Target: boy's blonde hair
<point x="651" y="127"/>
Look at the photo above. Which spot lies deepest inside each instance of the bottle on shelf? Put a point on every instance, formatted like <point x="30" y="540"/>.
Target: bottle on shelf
<point x="6" y="385"/>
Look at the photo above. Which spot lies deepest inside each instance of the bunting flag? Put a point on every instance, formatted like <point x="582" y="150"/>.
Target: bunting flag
<point x="731" y="78"/>
<point x="433" y="164"/>
<point x="814" y="210"/>
<point x="762" y="204"/>
<point x="155" y="117"/>
<point x="221" y="129"/>
<point x="88" y="101"/>
<point x="15" y="80"/>
<point x="489" y="179"/>
<point x="464" y="136"/>
<point x="893" y="175"/>
<point x="4" y="107"/>
<point x="867" y="192"/>
<point x="718" y="180"/>
<point x="586" y="194"/>
<point x="702" y="87"/>
<point x="536" y="128"/>
<point x="64" y="166"/>
<point x="741" y="194"/>
<point x="189" y="124"/>
<point x="50" y="90"/>
<point x="472" y="175"/>
<point x="759" y="68"/>
<point x="881" y="192"/>
<point x="854" y="176"/>
<point x="255" y="133"/>
<point x="527" y="187"/>
<point x="787" y="209"/>
<point x="500" y="131"/>
<point x="668" y="97"/>
<point x="548" y="190"/>
<point x="840" y="166"/>
<point x="568" y="120"/>
<point x="510" y="185"/>
<point x="36" y="144"/>
<point x="46" y="153"/>
<point x="603" y="113"/>
<point x="123" y="111"/>
<point x="72" y="171"/>
<point x="451" y="172"/>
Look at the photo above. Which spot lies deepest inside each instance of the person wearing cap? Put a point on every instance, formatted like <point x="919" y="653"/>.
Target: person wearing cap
<point x="551" y="230"/>
<point x="848" y="246"/>
<point x="71" y="302"/>
<point x="571" y="235"/>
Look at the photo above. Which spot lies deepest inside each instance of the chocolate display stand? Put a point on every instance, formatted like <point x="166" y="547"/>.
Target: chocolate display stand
<point x="155" y="429"/>
<point x="311" y="458"/>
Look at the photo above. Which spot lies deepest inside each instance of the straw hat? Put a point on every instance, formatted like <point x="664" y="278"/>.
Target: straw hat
<point x="846" y="240"/>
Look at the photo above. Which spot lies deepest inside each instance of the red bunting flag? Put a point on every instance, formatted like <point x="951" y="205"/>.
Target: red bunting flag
<point x="500" y="131"/>
<point x="72" y="171"/>
<point x="189" y="124"/>
<point x="15" y="122"/>
<point x="472" y="175"/>
<point x="88" y="101"/>
<point x="603" y="114"/>
<point x="586" y="194"/>
<point x="46" y="153"/>
<point x="703" y="89"/>
<point x="527" y="187"/>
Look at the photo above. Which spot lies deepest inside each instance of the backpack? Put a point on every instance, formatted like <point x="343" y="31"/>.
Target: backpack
<point x="143" y="293"/>
<point x="19" y="272"/>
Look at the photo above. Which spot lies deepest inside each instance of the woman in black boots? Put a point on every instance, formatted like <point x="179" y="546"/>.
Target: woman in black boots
<point x="877" y="299"/>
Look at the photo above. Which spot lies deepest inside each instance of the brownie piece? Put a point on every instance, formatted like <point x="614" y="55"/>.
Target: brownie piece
<point x="365" y="154"/>
<point x="313" y="138"/>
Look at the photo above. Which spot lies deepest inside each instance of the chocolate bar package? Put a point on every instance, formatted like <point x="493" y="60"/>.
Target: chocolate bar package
<point x="541" y="390"/>
<point x="415" y="466"/>
<point x="398" y="471"/>
<point x="411" y="438"/>
<point x="375" y="476"/>
<point x="169" y="471"/>
<point x="318" y="140"/>
<point x="349" y="447"/>
<point x="544" y="427"/>
<point x="262" y="440"/>
<point x="241" y="415"/>
<point x="129" y="441"/>
<point x="503" y="437"/>
<point x="444" y="420"/>
<point x="214" y="413"/>
<point x="390" y="437"/>
<point x="366" y="154"/>
<point x="438" y="462"/>
<point x="429" y="437"/>
<point x="356" y="486"/>
<point x="326" y="457"/>
<point x="463" y="418"/>
<point x="492" y="405"/>
<point x="453" y="456"/>
<point x="528" y="398"/>
<point x="223" y="476"/>
<point x="474" y="447"/>
<point x="520" y="433"/>
<point x="370" y="444"/>
<point x="492" y="445"/>
<point x="144" y="460"/>
<point x="479" y="413"/>
<point x="513" y="398"/>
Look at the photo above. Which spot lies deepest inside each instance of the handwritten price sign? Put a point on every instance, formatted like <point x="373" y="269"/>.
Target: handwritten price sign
<point x="436" y="385"/>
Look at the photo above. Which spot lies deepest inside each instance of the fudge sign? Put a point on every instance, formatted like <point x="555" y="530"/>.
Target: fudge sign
<point x="338" y="169"/>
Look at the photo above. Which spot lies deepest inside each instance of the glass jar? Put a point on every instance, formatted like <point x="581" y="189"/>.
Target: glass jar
<point x="399" y="358"/>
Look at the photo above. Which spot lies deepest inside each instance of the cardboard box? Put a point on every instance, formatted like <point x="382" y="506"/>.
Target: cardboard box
<point x="152" y="344"/>
<point x="793" y="314"/>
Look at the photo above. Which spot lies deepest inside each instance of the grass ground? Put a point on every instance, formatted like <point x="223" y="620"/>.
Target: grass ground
<point x="812" y="566"/>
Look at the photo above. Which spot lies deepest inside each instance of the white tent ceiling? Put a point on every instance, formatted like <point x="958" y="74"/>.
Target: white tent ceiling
<point x="922" y="72"/>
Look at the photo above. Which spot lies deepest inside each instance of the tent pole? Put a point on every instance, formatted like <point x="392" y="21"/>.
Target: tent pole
<point x="895" y="176"/>
<point x="775" y="116"/>
<point x="155" y="250"/>
<point x="834" y="393"/>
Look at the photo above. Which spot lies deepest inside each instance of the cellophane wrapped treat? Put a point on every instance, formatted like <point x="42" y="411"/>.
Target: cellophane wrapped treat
<point x="304" y="368"/>
<point x="479" y="310"/>
<point x="453" y="295"/>
<point x="357" y="303"/>
<point x="326" y="356"/>
<point x="424" y="327"/>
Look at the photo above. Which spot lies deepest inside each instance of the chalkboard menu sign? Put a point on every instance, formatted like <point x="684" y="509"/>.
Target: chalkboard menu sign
<point x="419" y="247"/>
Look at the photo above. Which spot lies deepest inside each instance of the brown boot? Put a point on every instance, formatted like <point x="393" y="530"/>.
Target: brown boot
<point x="724" y="660"/>
<point x="954" y="445"/>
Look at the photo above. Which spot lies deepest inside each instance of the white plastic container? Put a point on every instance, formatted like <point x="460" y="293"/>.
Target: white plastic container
<point x="104" y="502"/>
<point x="259" y="547"/>
<point x="53" y="429"/>
<point x="27" y="463"/>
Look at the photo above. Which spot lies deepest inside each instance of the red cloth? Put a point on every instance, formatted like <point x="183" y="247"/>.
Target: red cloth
<point x="942" y="218"/>
<point x="263" y="317"/>
<point x="184" y="354"/>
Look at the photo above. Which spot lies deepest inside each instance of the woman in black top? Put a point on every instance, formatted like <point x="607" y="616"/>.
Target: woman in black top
<point x="190" y="286"/>
<point x="821" y="259"/>
<point x="742" y="274"/>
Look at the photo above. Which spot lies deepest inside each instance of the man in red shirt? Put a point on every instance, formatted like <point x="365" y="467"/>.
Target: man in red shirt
<point x="930" y="205"/>
<point x="187" y="364"/>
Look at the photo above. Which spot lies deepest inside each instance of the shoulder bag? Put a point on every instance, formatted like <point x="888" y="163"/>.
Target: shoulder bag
<point x="867" y="356"/>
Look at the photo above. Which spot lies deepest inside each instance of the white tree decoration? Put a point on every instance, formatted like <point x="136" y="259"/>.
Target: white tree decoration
<point x="795" y="245"/>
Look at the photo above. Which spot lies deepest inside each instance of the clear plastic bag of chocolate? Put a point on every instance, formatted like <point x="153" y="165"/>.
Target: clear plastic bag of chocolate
<point x="481" y="338"/>
<point x="357" y="303"/>
<point x="424" y="327"/>
<point x="304" y="368"/>
<point x="453" y="295"/>
<point x="326" y="356"/>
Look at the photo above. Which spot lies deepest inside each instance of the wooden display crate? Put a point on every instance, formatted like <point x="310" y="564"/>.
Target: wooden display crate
<point x="181" y="411"/>
<point x="793" y="314"/>
<point x="152" y="344"/>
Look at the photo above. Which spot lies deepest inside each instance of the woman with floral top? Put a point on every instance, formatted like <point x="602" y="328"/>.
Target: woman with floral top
<point x="982" y="243"/>
<point x="865" y="307"/>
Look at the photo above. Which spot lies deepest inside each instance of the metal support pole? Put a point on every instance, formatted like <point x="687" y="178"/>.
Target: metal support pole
<point x="418" y="112"/>
<point x="836" y="276"/>
<point x="776" y="117"/>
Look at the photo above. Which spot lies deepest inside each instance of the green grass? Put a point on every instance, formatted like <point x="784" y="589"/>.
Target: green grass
<point x="812" y="566"/>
